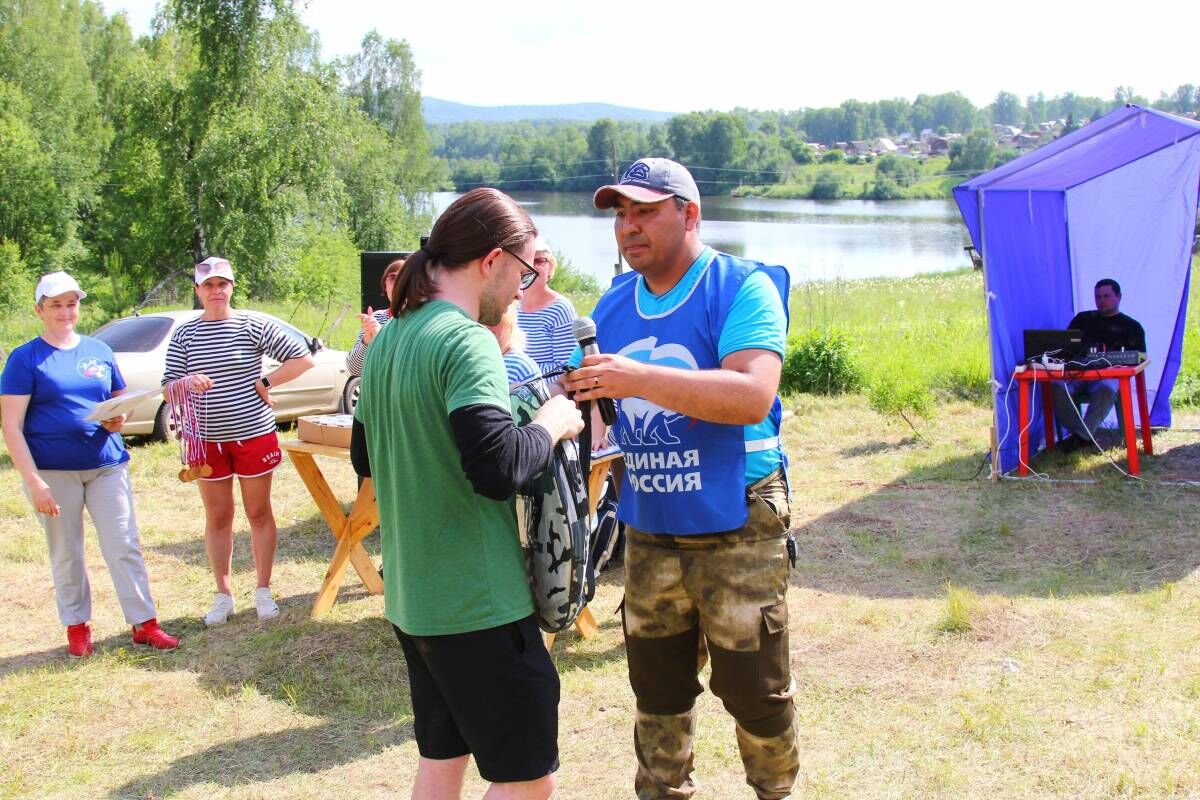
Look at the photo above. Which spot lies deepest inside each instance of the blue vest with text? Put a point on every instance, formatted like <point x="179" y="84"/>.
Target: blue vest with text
<point x="683" y="476"/>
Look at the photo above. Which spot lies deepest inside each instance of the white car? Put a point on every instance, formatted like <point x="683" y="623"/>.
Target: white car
<point x="140" y="344"/>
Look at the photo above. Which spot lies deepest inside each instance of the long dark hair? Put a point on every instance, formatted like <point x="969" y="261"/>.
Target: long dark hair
<point x="470" y="228"/>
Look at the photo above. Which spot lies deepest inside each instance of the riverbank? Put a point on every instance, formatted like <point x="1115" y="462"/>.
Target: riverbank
<point x="920" y="181"/>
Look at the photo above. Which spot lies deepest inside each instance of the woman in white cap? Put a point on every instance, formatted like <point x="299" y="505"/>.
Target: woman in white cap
<point x="219" y="355"/>
<point x="49" y="387"/>
<point x="545" y="315"/>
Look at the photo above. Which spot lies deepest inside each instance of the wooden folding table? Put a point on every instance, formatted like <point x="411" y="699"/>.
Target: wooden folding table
<point x="349" y="531"/>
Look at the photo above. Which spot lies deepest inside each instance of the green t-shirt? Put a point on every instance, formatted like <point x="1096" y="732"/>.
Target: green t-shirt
<point x="452" y="559"/>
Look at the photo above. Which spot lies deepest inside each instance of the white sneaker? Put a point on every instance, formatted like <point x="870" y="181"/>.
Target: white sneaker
<point x="222" y="607"/>
<point x="265" y="603"/>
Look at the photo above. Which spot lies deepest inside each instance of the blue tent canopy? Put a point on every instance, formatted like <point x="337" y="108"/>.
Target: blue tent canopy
<point x="1114" y="199"/>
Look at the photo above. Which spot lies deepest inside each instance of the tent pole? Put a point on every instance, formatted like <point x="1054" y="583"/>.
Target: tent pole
<point x="987" y="312"/>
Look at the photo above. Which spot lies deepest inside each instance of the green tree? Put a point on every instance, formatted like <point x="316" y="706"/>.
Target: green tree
<point x="33" y="215"/>
<point x="1037" y="107"/>
<point x="895" y="115"/>
<point x="657" y="143"/>
<point x="827" y="185"/>
<point x="1007" y="110"/>
<point x="1185" y="99"/>
<point x="799" y="150"/>
<point x="601" y="138"/>
<point x="387" y="181"/>
<point x="974" y="152"/>
<point x="684" y="134"/>
<point x="55" y="119"/>
<point x="723" y="143"/>
<point x="384" y="78"/>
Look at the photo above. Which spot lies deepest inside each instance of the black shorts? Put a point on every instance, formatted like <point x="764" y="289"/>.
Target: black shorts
<point x="491" y="693"/>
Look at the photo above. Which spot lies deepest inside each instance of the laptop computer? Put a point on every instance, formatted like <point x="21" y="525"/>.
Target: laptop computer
<point x="1059" y="345"/>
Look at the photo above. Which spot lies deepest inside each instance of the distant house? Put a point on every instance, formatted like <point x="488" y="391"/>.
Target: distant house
<point x="886" y="145"/>
<point x="859" y="148"/>
<point x="1027" y="141"/>
<point x="927" y="134"/>
<point x="939" y="145"/>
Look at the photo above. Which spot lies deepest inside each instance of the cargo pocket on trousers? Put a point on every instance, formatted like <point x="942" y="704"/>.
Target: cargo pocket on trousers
<point x="774" y="669"/>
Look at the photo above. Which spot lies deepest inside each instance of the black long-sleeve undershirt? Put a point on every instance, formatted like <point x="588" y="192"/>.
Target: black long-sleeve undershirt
<point x="496" y="456"/>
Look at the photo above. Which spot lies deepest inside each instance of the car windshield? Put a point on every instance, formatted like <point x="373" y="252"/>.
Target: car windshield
<point x="134" y="334"/>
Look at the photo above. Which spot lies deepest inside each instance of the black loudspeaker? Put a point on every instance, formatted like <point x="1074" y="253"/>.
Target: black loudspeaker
<point x="371" y="268"/>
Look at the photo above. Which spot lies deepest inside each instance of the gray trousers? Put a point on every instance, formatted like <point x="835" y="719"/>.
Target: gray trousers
<point x="1100" y="397"/>
<point x="109" y="500"/>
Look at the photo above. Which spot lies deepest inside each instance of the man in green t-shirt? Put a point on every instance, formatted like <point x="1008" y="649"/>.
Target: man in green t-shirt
<point x="433" y="428"/>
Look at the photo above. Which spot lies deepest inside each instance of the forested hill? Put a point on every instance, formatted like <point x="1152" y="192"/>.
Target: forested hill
<point x="439" y="112"/>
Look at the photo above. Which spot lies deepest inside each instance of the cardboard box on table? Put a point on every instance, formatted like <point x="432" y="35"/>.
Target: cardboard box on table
<point x="330" y="429"/>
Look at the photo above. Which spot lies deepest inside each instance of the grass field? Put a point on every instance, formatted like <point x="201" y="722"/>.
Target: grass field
<point x="951" y="638"/>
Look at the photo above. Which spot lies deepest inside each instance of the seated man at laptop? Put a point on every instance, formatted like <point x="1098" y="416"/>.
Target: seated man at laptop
<point x="1106" y="328"/>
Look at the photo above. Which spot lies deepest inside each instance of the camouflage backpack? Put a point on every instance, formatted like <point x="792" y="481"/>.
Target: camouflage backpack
<point x="552" y="516"/>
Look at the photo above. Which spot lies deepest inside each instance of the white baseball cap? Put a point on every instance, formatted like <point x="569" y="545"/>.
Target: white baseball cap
<point x="213" y="267"/>
<point x="57" y="283"/>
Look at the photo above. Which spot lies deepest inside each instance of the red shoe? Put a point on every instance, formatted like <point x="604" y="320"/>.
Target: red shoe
<point x="79" y="640"/>
<point x="151" y="635"/>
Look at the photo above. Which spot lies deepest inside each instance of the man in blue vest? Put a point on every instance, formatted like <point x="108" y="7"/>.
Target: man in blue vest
<point x="692" y="344"/>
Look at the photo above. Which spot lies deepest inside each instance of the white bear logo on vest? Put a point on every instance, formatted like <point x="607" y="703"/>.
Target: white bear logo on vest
<point x="647" y="425"/>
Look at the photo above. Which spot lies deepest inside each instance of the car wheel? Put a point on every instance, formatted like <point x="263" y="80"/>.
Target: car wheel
<point x="350" y="395"/>
<point x="163" y="426"/>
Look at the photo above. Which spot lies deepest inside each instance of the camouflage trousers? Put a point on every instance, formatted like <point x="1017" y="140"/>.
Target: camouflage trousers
<point x="720" y="597"/>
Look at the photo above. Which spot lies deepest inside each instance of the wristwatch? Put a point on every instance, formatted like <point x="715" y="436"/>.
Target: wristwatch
<point x="265" y="382"/>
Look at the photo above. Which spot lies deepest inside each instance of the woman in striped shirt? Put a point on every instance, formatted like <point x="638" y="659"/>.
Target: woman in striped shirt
<point x="545" y="315"/>
<point x="219" y="355"/>
<point x="517" y="364"/>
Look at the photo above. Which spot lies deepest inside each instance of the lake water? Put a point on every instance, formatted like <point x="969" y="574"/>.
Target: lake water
<point x="814" y="239"/>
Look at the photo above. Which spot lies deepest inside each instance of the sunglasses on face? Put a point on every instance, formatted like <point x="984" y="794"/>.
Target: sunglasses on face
<point x="528" y="273"/>
<point x="205" y="267"/>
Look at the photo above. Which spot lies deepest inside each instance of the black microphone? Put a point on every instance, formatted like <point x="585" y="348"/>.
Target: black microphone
<point x="584" y="329"/>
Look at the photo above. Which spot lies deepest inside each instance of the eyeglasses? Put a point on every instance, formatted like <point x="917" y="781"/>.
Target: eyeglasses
<point x="528" y="273"/>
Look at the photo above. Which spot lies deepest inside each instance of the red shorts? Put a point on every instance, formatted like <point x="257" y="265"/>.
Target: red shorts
<point x="247" y="458"/>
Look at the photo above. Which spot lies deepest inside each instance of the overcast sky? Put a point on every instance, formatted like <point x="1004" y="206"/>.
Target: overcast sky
<point x="686" y="55"/>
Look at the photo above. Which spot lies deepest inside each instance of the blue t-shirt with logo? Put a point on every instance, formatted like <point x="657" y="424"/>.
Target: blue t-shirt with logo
<point x="757" y="320"/>
<point x="64" y="385"/>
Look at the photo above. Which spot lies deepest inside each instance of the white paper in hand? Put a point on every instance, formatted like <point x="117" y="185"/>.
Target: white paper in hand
<point x="122" y="404"/>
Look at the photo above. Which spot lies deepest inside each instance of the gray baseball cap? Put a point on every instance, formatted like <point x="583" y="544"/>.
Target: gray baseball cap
<point x="650" y="180"/>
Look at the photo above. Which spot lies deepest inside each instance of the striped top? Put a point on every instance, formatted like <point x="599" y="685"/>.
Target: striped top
<point x="230" y="352"/>
<point x="549" y="339"/>
<point x="520" y="367"/>
<point x="358" y="353"/>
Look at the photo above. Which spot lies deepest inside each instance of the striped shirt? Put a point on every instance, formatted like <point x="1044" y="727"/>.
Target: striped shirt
<point x="549" y="339"/>
<point x="358" y="353"/>
<point x="520" y="367"/>
<point x="230" y="352"/>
